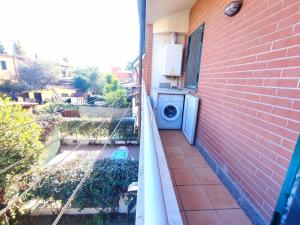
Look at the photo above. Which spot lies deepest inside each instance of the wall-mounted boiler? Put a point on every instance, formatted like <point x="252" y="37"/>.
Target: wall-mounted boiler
<point x="172" y="60"/>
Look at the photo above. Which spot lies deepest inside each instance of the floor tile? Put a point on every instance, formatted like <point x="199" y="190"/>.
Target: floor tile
<point x="173" y="139"/>
<point x="197" y="161"/>
<point x="190" y="150"/>
<point x="178" y="162"/>
<point x="220" y="197"/>
<point x="185" y="177"/>
<point x="184" y="220"/>
<point x="206" y="176"/>
<point x="208" y="217"/>
<point x="173" y="151"/>
<point x="201" y="197"/>
<point x="233" y="217"/>
<point x="194" y="198"/>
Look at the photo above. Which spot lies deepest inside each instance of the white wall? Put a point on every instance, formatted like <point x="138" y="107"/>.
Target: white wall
<point x="177" y="22"/>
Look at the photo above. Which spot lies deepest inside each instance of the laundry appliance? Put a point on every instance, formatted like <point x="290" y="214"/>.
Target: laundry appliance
<point x="169" y="111"/>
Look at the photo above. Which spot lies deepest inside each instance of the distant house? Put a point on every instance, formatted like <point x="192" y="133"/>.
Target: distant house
<point x="63" y="91"/>
<point x="78" y="98"/>
<point x="51" y="93"/>
<point x="123" y="75"/>
<point x="9" y="67"/>
<point x="65" y="69"/>
<point x="38" y="96"/>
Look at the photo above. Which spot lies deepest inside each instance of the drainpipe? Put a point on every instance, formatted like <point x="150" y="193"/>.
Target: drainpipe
<point x="142" y="5"/>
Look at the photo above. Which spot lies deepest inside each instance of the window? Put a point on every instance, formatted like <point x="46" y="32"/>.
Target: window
<point x="193" y="59"/>
<point x="3" y="65"/>
<point x="64" y="95"/>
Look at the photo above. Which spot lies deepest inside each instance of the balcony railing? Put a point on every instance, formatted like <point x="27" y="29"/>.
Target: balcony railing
<point x="156" y="203"/>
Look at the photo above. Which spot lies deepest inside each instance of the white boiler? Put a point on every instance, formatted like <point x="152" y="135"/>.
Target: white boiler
<point x="172" y="59"/>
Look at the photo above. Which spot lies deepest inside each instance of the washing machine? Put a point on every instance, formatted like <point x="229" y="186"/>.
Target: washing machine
<point x="169" y="111"/>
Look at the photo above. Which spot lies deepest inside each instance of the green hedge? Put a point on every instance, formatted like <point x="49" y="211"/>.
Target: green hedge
<point x="126" y="130"/>
<point x="107" y="183"/>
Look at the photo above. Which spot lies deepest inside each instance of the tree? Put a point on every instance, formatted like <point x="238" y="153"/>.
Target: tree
<point x="111" y="83"/>
<point x="16" y="143"/>
<point x="88" y="80"/>
<point x="10" y="88"/>
<point x="18" y="49"/>
<point x="114" y="93"/>
<point x="37" y="75"/>
<point x="80" y="82"/>
<point x="2" y="49"/>
<point x="117" y="98"/>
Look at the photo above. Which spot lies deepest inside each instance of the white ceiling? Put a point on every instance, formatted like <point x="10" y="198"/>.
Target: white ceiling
<point x="157" y="9"/>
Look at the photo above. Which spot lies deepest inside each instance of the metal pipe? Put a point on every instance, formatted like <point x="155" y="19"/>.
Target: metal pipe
<point x="142" y="10"/>
<point x="154" y="204"/>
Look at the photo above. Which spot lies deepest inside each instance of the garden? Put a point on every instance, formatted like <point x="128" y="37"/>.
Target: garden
<point x="104" y="197"/>
<point x="99" y="197"/>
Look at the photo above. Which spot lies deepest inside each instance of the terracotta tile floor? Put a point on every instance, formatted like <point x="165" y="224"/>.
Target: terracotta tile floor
<point x="202" y="198"/>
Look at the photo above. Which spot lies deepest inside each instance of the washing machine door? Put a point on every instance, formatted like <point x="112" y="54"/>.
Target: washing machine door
<point x="170" y="112"/>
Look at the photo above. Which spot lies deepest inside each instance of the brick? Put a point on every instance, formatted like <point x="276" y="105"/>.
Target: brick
<point x="289" y="21"/>
<point x="259" y="49"/>
<point x="272" y="55"/>
<point x="273" y="194"/>
<point x="280" y="171"/>
<point x="285" y="12"/>
<point x="291" y="2"/>
<point x="284" y="33"/>
<point x="296" y="105"/>
<point x="287" y="62"/>
<point x="283" y="162"/>
<point x="290" y="114"/>
<point x="291" y="72"/>
<point x="266" y="179"/>
<point x="282" y="102"/>
<point x="288" y="144"/>
<point x="295" y="126"/>
<point x="294" y="51"/>
<point x="296" y="30"/>
<point x="285" y="133"/>
<point x="287" y="42"/>
<point x="272" y="118"/>
<point x="274" y="2"/>
<point x="289" y="93"/>
<point x="267" y="73"/>
<point x="292" y="83"/>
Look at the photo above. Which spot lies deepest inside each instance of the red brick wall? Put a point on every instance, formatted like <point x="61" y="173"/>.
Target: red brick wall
<point x="249" y="87"/>
<point x="147" y="63"/>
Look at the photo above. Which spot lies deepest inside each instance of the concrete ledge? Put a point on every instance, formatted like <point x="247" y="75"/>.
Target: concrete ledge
<point x="173" y="212"/>
<point x="139" y="213"/>
<point x="232" y="186"/>
<point x="169" y="196"/>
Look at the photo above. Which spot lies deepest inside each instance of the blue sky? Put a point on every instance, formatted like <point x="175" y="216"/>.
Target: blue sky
<point x="101" y="33"/>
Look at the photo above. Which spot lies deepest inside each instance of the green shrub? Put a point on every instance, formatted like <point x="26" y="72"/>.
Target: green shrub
<point x="117" y="98"/>
<point x="114" y="94"/>
<point x="107" y="183"/>
<point x="125" y="132"/>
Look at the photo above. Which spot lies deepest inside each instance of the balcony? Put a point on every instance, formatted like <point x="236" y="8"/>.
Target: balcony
<point x="176" y="184"/>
